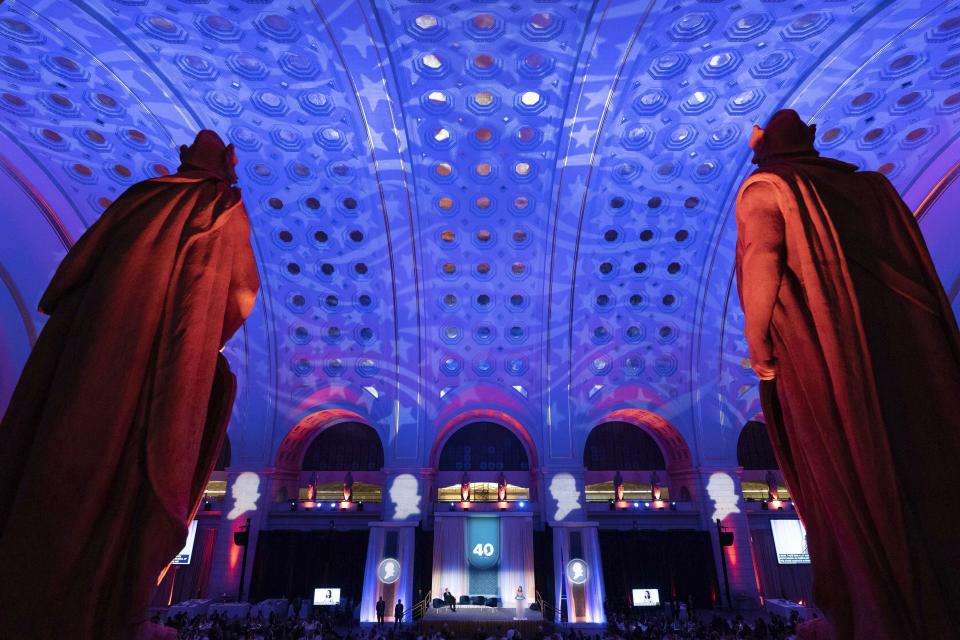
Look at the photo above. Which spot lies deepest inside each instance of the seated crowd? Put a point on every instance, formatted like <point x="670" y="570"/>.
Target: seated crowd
<point x="659" y="625"/>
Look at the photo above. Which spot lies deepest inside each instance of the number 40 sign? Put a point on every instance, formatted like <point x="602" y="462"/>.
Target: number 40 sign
<point x="482" y="538"/>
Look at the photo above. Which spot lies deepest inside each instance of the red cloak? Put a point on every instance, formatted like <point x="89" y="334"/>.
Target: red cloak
<point x="117" y="419"/>
<point x="839" y="289"/>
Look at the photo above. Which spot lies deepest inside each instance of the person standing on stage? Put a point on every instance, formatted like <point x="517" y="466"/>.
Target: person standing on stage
<point x="520" y="598"/>
<point x="398" y="615"/>
<point x="381" y="610"/>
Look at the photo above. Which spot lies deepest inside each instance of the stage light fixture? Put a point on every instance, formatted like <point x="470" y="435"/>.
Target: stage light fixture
<point x="452" y="506"/>
<point x="207" y="505"/>
<point x="293" y="505"/>
<point x="636" y="505"/>
<point x="333" y="505"/>
<point x="522" y="504"/>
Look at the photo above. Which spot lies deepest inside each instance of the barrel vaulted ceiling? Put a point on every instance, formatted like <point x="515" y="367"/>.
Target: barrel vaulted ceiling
<point x="516" y="207"/>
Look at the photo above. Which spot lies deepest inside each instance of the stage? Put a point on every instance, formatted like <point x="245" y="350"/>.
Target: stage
<point x="484" y="614"/>
<point x="468" y="621"/>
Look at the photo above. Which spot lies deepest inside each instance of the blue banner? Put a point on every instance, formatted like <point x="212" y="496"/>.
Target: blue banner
<point x="483" y="542"/>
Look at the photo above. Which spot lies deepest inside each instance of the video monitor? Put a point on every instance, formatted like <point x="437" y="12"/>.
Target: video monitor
<point x="646" y="597"/>
<point x="790" y="540"/>
<point x="326" y="596"/>
<point x="184" y="556"/>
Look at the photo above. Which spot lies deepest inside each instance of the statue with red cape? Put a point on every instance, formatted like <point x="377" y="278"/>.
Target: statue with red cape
<point x="858" y="354"/>
<point x="117" y="419"/>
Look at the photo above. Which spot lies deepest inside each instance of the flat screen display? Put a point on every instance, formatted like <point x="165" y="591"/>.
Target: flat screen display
<point x="184" y="556"/>
<point x="646" y="597"/>
<point x="790" y="540"/>
<point x="326" y="596"/>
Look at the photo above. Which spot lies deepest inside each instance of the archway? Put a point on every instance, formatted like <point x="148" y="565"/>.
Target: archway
<point x="671" y="442"/>
<point x="761" y="478"/>
<point x="499" y="418"/>
<point x="635" y="446"/>
<point x="317" y="453"/>
<point x="345" y="446"/>
<point x="483" y="446"/>
<point x="621" y="446"/>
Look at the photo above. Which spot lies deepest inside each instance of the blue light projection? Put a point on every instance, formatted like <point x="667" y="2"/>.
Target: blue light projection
<point x="522" y="207"/>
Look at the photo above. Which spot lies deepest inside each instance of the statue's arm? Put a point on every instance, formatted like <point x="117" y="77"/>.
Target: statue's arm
<point x="761" y="245"/>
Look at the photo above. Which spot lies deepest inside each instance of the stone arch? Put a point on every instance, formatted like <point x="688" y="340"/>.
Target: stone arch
<point x="294" y="445"/>
<point x="484" y="415"/>
<point x="676" y="451"/>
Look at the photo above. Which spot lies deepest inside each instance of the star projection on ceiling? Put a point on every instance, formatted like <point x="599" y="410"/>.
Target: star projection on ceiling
<point x="526" y="204"/>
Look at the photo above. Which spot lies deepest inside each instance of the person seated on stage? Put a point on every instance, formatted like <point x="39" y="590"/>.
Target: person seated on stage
<point x="449" y="599"/>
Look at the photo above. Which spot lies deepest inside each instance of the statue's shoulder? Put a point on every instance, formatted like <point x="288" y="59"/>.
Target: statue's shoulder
<point x="772" y="179"/>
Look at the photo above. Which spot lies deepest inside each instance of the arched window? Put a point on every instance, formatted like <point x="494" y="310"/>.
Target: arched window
<point x="754" y="450"/>
<point x="621" y="446"/>
<point x="223" y="460"/>
<point x="348" y="446"/>
<point x="483" y="446"/>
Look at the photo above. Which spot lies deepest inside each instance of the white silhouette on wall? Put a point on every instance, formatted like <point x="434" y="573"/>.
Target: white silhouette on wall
<point x="405" y="495"/>
<point x="722" y="491"/>
<point x="388" y="571"/>
<point x="563" y="489"/>
<point x="577" y="571"/>
<point x="246" y="491"/>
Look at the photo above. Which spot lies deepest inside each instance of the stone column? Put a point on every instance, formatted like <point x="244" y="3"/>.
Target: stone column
<point x="248" y="496"/>
<point x="721" y="499"/>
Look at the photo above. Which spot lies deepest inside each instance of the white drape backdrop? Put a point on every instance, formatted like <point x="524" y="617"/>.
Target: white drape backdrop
<point x="449" y="557"/>
<point x="516" y="559"/>
<point x="593" y="591"/>
<point x="402" y="589"/>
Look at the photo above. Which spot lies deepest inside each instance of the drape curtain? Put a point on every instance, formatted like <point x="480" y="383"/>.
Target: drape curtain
<point x="516" y="559"/>
<point x="402" y="589"/>
<point x="592" y="590"/>
<point x="449" y="557"/>
<point x="787" y="581"/>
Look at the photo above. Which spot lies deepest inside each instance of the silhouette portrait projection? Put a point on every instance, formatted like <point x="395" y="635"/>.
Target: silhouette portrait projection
<point x="388" y="571"/>
<point x="722" y="492"/>
<point x="245" y="493"/>
<point x="577" y="571"/>
<point x="563" y="490"/>
<point x="405" y="496"/>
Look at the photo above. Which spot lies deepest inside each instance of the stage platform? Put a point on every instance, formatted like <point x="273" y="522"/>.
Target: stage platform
<point x="482" y="614"/>
<point x="493" y="622"/>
